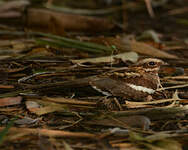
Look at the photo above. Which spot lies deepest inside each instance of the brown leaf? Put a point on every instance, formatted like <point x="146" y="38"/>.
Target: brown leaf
<point x="125" y="44"/>
<point x="39" y="52"/>
<point x="143" y="48"/>
<point x="44" y="108"/>
<point x="58" y="22"/>
<point x="132" y="121"/>
<point x="131" y="56"/>
<point x="12" y="9"/>
<point x="8" y="101"/>
<point x="26" y="121"/>
<point x="51" y="133"/>
<point x="32" y="106"/>
<point x="6" y="86"/>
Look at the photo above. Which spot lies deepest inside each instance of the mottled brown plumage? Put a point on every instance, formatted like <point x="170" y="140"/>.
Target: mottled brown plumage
<point x="136" y="83"/>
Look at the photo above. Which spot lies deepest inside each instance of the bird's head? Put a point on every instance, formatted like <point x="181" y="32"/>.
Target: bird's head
<point x="150" y="64"/>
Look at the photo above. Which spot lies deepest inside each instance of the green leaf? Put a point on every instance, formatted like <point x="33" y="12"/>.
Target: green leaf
<point x="72" y="43"/>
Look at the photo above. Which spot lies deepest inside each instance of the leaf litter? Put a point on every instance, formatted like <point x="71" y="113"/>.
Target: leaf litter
<point x="45" y="69"/>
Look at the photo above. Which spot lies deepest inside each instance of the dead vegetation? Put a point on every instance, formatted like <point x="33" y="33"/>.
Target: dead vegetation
<point x="48" y="55"/>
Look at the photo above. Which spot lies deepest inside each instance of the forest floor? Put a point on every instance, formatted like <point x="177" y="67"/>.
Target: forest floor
<point x="48" y="51"/>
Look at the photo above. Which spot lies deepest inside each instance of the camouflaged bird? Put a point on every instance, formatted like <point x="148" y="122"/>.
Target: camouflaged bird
<point x="135" y="83"/>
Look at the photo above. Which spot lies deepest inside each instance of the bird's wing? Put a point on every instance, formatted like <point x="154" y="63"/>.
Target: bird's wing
<point x="109" y="86"/>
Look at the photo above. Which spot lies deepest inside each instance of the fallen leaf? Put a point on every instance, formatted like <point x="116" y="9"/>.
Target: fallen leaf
<point x="42" y="107"/>
<point x="8" y="101"/>
<point x="39" y="52"/>
<point x="58" y="22"/>
<point x="51" y="133"/>
<point x="125" y="44"/>
<point x="6" y="86"/>
<point x="143" y="48"/>
<point x="32" y="106"/>
<point x="68" y="101"/>
<point x="128" y="121"/>
<point x="26" y="120"/>
<point x="131" y="56"/>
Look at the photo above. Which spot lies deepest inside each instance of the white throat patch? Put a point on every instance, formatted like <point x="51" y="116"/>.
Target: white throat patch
<point x="141" y="88"/>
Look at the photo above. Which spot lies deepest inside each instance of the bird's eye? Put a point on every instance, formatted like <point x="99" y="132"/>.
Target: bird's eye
<point x="151" y="63"/>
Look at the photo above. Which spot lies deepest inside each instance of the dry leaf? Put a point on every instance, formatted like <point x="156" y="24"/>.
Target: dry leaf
<point x="32" y="106"/>
<point x="39" y="52"/>
<point x="8" y="101"/>
<point x="131" y="56"/>
<point x="143" y="48"/>
<point x="132" y="121"/>
<point x="13" y="9"/>
<point x="57" y="22"/>
<point x="44" y="108"/>
<point x="6" y="86"/>
<point x="26" y="120"/>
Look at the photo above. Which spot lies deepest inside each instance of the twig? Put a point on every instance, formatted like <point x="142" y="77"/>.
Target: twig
<point x="155" y="113"/>
<point x="68" y="101"/>
<point x="52" y="133"/>
<point x="173" y="87"/>
<point x="149" y="8"/>
<point x="153" y="102"/>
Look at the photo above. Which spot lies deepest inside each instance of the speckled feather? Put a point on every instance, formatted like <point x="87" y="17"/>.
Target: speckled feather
<point x="134" y="83"/>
